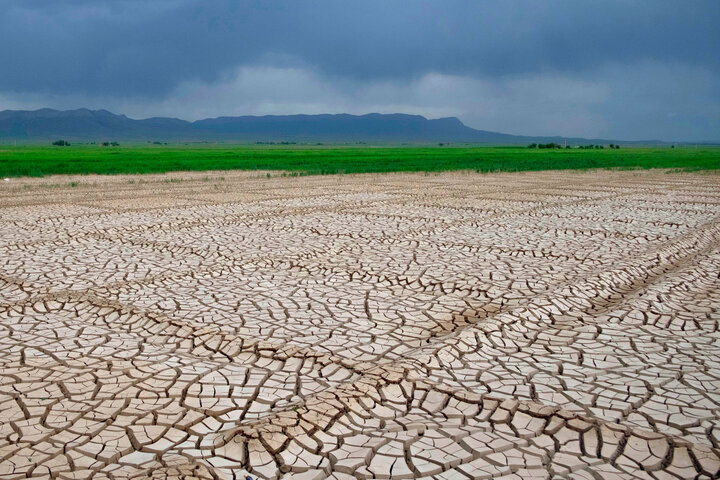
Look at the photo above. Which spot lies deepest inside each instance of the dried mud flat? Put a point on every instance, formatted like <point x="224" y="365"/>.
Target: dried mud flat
<point x="539" y="325"/>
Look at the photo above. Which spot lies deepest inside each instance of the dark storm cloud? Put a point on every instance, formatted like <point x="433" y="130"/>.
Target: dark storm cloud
<point x="138" y="47"/>
<point x="133" y="52"/>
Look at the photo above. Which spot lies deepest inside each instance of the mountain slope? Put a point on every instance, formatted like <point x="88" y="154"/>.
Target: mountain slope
<point x="85" y="125"/>
<point x="81" y="125"/>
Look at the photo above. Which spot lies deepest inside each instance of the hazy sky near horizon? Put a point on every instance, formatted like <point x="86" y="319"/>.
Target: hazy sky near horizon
<point x="621" y="69"/>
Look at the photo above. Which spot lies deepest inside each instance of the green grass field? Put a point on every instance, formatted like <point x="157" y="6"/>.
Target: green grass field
<point x="83" y="159"/>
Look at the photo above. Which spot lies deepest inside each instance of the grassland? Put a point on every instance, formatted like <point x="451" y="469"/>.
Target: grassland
<point x="16" y="161"/>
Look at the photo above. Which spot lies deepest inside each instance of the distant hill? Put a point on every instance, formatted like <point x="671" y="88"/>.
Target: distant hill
<point x="85" y="125"/>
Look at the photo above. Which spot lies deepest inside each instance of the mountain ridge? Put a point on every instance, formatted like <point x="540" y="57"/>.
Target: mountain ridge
<point x="85" y="125"/>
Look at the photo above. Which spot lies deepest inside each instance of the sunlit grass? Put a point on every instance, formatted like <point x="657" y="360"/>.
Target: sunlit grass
<point x="301" y="160"/>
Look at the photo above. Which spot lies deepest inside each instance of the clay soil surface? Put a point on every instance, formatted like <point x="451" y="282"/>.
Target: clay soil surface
<point x="455" y="326"/>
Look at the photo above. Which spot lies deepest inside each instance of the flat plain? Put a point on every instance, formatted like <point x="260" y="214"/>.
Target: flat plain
<point x="452" y="326"/>
<point x="39" y="160"/>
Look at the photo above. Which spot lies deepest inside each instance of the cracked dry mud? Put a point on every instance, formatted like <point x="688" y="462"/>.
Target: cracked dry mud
<point x="524" y="326"/>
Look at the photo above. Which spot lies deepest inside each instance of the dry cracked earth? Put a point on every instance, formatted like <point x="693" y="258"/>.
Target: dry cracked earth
<point x="453" y="326"/>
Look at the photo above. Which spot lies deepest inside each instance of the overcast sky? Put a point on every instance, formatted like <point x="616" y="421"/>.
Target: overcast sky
<point x="630" y="69"/>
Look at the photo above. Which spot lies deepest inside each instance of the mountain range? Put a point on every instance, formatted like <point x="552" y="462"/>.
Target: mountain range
<point x="84" y="125"/>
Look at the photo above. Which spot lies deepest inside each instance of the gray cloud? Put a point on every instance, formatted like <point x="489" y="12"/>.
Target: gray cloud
<point x="626" y="69"/>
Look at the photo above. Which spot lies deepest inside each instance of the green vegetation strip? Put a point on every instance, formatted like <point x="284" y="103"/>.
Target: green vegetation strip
<point x="85" y="159"/>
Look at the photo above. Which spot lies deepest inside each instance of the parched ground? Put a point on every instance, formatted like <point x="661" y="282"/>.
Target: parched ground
<point x="454" y="326"/>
